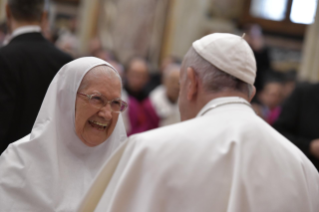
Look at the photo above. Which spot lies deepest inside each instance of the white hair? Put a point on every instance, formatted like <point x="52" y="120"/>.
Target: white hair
<point x="95" y="74"/>
<point x="213" y="79"/>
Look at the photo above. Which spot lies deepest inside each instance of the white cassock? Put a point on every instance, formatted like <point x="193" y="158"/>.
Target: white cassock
<point x="167" y="111"/>
<point x="50" y="169"/>
<point x="226" y="159"/>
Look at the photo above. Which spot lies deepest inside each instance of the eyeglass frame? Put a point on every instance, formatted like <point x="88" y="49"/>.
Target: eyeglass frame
<point x="89" y="96"/>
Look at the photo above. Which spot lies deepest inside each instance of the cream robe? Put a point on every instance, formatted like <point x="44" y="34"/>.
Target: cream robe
<point x="225" y="160"/>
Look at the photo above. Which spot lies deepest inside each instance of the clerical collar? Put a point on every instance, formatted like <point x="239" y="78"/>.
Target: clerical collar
<point x="23" y="30"/>
<point x="221" y="102"/>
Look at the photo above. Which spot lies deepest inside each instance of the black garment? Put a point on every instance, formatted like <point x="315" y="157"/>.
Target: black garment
<point x="27" y="66"/>
<point x="139" y="96"/>
<point x="155" y="80"/>
<point x="263" y="67"/>
<point x="299" y="119"/>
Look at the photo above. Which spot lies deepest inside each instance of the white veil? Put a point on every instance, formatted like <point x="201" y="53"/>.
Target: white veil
<point x="50" y="169"/>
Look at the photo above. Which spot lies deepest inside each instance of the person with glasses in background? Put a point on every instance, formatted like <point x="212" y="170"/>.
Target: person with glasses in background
<point x="78" y="127"/>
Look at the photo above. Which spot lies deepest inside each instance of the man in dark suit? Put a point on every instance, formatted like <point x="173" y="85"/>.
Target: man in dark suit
<point x="299" y="120"/>
<point x="28" y="63"/>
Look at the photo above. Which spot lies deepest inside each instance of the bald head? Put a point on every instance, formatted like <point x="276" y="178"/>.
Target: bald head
<point x="137" y="74"/>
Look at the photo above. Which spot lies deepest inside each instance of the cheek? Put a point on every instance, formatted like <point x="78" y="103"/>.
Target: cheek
<point x="114" y="122"/>
<point x="81" y="118"/>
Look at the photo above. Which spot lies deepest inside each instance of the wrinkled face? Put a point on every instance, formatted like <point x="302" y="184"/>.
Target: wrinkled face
<point x="137" y="75"/>
<point x="93" y="126"/>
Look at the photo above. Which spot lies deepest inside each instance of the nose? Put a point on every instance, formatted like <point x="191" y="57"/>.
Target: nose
<point x="106" y="112"/>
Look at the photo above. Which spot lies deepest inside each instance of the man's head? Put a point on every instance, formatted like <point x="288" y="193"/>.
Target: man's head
<point x="272" y="94"/>
<point x="95" y="123"/>
<point x="217" y="65"/>
<point x="137" y="74"/>
<point x="24" y="12"/>
<point x="171" y="81"/>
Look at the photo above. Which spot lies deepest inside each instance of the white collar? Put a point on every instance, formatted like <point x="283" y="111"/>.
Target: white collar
<point x="25" y="29"/>
<point x="221" y="101"/>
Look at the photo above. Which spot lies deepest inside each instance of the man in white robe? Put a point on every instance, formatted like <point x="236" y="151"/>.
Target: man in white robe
<point x="222" y="157"/>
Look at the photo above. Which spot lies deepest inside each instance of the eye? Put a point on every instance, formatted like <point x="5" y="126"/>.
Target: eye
<point x="96" y="99"/>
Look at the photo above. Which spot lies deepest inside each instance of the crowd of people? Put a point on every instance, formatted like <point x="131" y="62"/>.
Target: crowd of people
<point x="199" y="145"/>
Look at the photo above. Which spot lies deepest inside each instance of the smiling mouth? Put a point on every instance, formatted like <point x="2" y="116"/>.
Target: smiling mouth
<point x="98" y="125"/>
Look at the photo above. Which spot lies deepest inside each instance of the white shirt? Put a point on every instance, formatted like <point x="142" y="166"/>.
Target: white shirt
<point x="167" y="111"/>
<point x="227" y="159"/>
<point x="22" y="30"/>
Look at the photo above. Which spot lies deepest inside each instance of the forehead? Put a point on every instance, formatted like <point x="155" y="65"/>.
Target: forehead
<point x="137" y="65"/>
<point x="102" y="79"/>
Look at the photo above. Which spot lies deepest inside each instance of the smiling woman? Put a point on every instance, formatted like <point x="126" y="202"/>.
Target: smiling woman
<point x="95" y="120"/>
<point x="78" y="127"/>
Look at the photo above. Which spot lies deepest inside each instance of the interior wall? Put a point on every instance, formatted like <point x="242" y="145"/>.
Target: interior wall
<point x="2" y="10"/>
<point x="190" y="20"/>
<point x="133" y="27"/>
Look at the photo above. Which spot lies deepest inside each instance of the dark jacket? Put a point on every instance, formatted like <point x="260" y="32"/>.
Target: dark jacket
<point x="27" y="66"/>
<point x="299" y="119"/>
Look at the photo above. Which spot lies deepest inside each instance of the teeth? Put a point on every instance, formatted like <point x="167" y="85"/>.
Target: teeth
<point x="99" y="124"/>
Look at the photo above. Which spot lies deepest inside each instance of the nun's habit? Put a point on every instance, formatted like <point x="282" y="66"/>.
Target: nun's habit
<point x="51" y="168"/>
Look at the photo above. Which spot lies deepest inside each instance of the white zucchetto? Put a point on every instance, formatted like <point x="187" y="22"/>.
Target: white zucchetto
<point x="229" y="53"/>
<point x="50" y="169"/>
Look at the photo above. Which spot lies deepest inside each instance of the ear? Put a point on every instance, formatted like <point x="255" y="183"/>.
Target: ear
<point x="252" y="94"/>
<point x="192" y="87"/>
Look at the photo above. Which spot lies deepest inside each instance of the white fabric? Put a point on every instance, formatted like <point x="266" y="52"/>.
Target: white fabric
<point x="167" y="111"/>
<point x="227" y="160"/>
<point x="230" y="53"/>
<point x="50" y="169"/>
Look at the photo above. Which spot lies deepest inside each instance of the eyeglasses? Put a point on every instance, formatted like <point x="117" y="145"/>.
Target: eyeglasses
<point x="99" y="101"/>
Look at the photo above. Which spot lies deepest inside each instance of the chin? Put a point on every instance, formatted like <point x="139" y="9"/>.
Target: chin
<point x="93" y="142"/>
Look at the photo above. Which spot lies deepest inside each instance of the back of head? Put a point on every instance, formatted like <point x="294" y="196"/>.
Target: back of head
<point x="26" y="10"/>
<point x="213" y="79"/>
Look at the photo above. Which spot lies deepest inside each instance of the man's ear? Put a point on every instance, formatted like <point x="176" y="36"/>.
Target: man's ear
<point x="252" y="94"/>
<point x="192" y="87"/>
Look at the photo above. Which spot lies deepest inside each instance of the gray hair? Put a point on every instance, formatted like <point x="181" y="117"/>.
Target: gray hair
<point x="26" y="10"/>
<point x="213" y="79"/>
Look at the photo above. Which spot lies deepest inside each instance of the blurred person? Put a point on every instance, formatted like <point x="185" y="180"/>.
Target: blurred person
<point x="164" y="98"/>
<point x="156" y="78"/>
<point x="290" y="79"/>
<point x="27" y="65"/>
<point x="141" y="113"/>
<point x="299" y="120"/>
<point x="78" y="127"/>
<point x="67" y="40"/>
<point x="254" y="38"/>
<point x="222" y="157"/>
<point x="271" y="98"/>
<point x="3" y="33"/>
<point x="95" y="44"/>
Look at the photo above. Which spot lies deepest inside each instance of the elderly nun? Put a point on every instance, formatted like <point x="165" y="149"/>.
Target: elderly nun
<point x="77" y="129"/>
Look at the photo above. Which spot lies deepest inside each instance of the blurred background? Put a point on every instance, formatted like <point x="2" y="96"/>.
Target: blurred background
<point x="144" y="37"/>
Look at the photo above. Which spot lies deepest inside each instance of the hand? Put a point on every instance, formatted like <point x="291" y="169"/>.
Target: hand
<point x="314" y="148"/>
